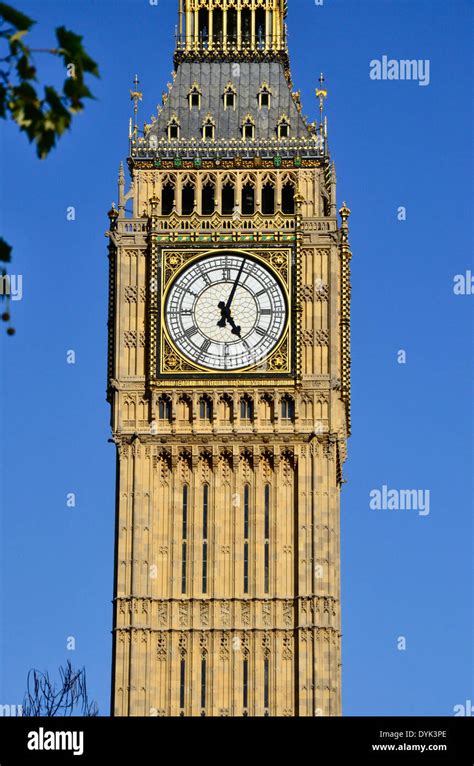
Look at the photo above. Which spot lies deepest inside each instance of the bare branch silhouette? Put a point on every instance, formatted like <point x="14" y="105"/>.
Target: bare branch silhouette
<point x="45" y="698"/>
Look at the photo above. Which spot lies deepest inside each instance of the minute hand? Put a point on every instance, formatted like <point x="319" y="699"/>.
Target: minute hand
<point x="236" y="284"/>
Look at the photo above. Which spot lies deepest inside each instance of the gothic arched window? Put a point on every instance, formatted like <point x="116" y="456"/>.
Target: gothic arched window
<point x="205" y="409"/>
<point x="246" y="408"/>
<point x="194" y="96"/>
<point x="167" y="199"/>
<point x="268" y="198"/>
<point x="288" y="198"/>
<point x="209" y="128"/>
<point x="248" y="199"/>
<point x="230" y="97"/>
<point x="187" y="198"/>
<point x="264" y="97"/>
<point x="288" y="408"/>
<point x="164" y="408"/>
<point x="174" y="129"/>
<point x="248" y="128"/>
<point x="283" y="127"/>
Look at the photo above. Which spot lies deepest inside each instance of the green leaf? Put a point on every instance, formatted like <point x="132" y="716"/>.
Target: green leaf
<point x="44" y="143"/>
<point x="12" y="16"/>
<point x="73" y="52"/>
<point x="75" y="90"/>
<point x="69" y="41"/>
<point x="89" y="65"/>
<point x="26" y="71"/>
<point x="5" y="251"/>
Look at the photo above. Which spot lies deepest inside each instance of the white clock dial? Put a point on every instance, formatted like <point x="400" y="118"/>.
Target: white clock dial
<point x="226" y="312"/>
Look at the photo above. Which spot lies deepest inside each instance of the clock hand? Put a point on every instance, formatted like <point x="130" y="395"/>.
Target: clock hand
<point x="227" y="317"/>
<point x="236" y="284"/>
<point x="235" y="330"/>
<point x="225" y="308"/>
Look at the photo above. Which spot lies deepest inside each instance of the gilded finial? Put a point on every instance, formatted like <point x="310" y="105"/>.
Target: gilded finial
<point x="113" y="213"/>
<point x="344" y="212"/>
<point x="322" y="94"/>
<point x="136" y="96"/>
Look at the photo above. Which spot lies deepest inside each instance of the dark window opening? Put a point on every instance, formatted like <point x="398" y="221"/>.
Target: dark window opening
<point x="229" y="100"/>
<point x="204" y="567"/>
<point x="245" y="683"/>
<point x="228" y="199"/>
<point x="174" y="130"/>
<point x="267" y="511"/>
<point x="264" y="99"/>
<point x="184" y="553"/>
<point x="182" y="684"/>
<point x="167" y="200"/>
<point x="217" y="25"/>
<point x="208" y="199"/>
<point x="267" y="567"/>
<point x="185" y="512"/>
<point x="203" y="25"/>
<point x="246" y="20"/>
<point x="232" y="26"/>
<point x="246" y="511"/>
<point x="288" y="199"/>
<point x="248" y="200"/>
<point x="203" y="685"/>
<point x="248" y="130"/>
<point x="268" y="199"/>
<point x="208" y="130"/>
<point x="195" y="99"/>
<point x="260" y="26"/>
<point x="246" y="567"/>
<point x="266" y="675"/>
<point x="284" y="130"/>
<point x="187" y="199"/>
<point x="205" y="510"/>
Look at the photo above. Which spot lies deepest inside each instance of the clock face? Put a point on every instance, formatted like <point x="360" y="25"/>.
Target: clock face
<point x="226" y="312"/>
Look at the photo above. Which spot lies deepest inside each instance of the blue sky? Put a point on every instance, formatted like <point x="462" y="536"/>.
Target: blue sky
<point x="395" y="143"/>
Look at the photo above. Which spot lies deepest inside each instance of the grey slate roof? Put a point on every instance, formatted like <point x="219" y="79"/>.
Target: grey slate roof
<point x="212" y="78"/>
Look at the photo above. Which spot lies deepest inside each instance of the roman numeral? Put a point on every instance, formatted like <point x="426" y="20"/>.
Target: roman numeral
<point x="191" y="331"/>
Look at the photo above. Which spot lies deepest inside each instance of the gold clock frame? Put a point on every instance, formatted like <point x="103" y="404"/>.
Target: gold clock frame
<point x="172" y="364"/>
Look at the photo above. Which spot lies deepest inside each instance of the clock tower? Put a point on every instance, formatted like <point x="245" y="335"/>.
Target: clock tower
<point x="229" y="384"/>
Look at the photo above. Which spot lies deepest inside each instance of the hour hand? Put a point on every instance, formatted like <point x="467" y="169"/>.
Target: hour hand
<point x="235" y="330"/>
<point x="227" y="317"/>
<point x="224" y="314"/>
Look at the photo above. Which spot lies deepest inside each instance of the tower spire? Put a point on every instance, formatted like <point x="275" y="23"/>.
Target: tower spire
<point x="322" y="94"/>
<point x="136" y="96"/>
